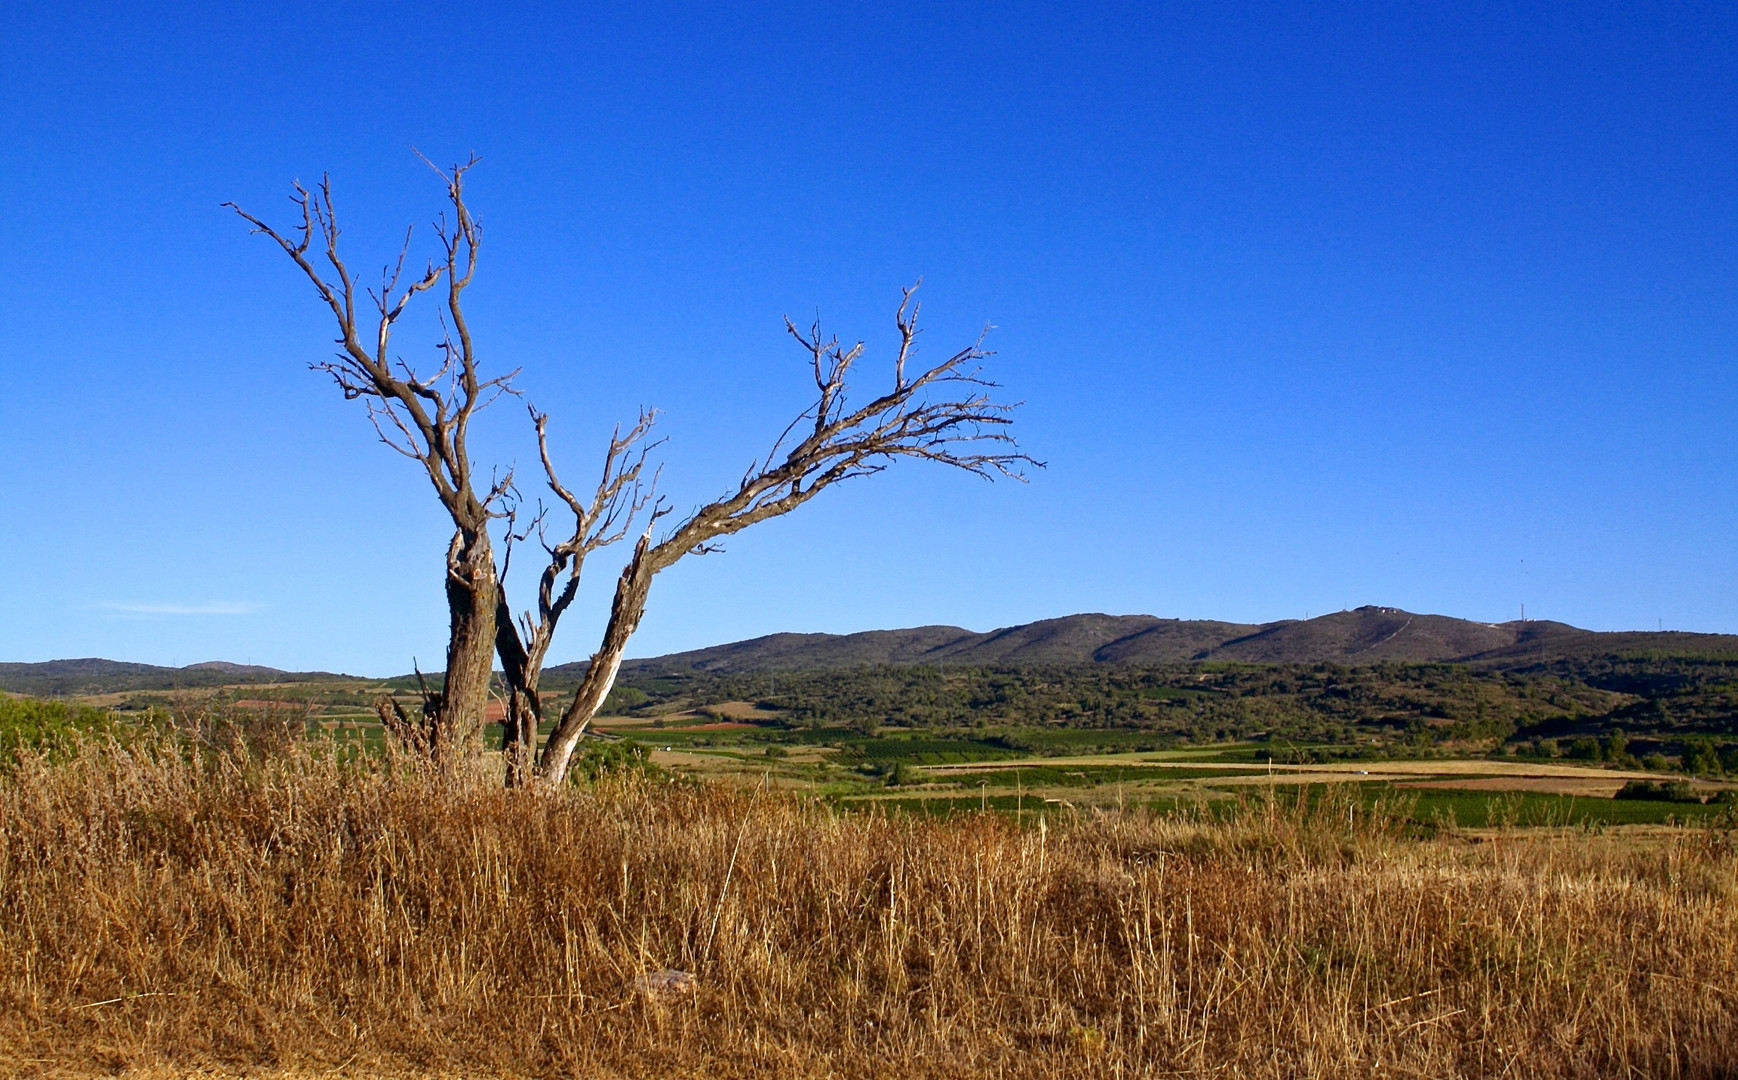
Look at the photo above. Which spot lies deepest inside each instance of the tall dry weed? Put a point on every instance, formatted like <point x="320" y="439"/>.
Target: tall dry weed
<point x="229" y="909"/>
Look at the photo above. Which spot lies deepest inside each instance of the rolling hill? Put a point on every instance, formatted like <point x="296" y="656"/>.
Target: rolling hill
<point x="1363" y="636"/>
<point x="91" y="675"/>
<point x="1366" y="635"/>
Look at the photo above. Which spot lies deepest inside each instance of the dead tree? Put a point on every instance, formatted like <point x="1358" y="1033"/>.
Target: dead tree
<point x="425" y="418"/>
<point x="942" y="414"/>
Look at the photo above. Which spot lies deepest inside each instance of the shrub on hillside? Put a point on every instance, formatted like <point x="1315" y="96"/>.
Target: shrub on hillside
<point x="614" y="759"/>
<point x="1701" y="758"/>
<point x="51" y="726"/>
<point x="1666" y="791"/>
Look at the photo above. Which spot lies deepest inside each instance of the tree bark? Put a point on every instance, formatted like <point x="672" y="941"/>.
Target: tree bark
<point x="472" y="597"/>
<point x="524" y="703"/>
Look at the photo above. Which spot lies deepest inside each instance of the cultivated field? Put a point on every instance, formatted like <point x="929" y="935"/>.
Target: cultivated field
<point x="1021" y="769"/>
<point x="946" y="772"/>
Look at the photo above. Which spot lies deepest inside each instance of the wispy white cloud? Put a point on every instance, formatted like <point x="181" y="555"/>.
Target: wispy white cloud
<point x="216" y="607"/>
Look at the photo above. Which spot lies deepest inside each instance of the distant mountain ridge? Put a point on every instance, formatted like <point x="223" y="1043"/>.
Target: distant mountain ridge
<point x="93" y="675"/>
<point x="1366" y="635"/>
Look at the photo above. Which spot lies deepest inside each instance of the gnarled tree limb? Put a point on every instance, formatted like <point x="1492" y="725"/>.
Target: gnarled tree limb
<point x="944" y="414"/>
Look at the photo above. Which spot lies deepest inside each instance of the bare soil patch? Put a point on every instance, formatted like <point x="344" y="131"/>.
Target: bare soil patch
<point x="741" y="710"/>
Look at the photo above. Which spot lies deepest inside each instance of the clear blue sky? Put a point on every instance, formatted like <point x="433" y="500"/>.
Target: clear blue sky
<point x="1311" y="306"/>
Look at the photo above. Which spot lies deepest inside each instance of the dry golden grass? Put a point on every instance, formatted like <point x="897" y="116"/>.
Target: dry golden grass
<point x="295" y="917"/>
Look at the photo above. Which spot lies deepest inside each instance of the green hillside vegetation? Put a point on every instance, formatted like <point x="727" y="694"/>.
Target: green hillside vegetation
<point x="28" y="724"/>
<point x="1682" y="707"/>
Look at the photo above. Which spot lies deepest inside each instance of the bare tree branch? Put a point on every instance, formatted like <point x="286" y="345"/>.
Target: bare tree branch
<point x="619" y="497"/>
<point x="945" y="415"/>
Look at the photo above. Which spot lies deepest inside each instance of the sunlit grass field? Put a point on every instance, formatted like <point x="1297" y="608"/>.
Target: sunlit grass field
<point x="271" y="891"/>
<point x="168" y="909"/>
